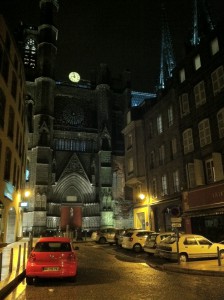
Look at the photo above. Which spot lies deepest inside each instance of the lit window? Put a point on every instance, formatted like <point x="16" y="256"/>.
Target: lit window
<point x="220" y="120"/>
<point x="30" y="51"/>
<point x="184" y="104"/>
<point x="218" y="80"/>
<point x="130" y="165"/>
<point x="199" y="94"/>
<point x="170" y="116"/>
<point x="176" y="181"/>
<point x="204" y="132"/>
<point x="188" y="141"/>
<point x="128" y="117"/>
<point x="129" y="138"/>
<point x="214" y="46"/>
<point x="159" y="124"/>
<point x="210" y="170"/>
<point x="182" y="75"/>
<point x="197" y="62"/>
<point x="164" y="185"/>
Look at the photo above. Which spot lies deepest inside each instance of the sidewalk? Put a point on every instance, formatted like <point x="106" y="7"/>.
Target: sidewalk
<point x="9" y="281"/>
<point x="11" y="278"/>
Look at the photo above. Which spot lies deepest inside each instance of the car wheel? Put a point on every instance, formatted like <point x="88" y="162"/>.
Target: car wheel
<point x="137" y="248"/>
<point x="102" y="240"/>
<point x="72" y="279"/>
<point x="29" y="280"/>
<point x="183" y="257"/>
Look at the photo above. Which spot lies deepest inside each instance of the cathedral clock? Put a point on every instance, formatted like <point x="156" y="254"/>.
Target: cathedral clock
<point x="74" y="77"/>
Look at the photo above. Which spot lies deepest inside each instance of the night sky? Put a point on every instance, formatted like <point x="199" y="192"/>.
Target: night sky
<point x="124" y="34"/>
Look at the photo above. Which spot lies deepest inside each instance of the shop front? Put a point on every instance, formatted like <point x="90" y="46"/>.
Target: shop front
<point x="203" y="212"/>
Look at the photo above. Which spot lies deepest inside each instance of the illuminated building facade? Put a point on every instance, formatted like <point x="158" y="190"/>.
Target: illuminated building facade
<point x="13" y="136"/>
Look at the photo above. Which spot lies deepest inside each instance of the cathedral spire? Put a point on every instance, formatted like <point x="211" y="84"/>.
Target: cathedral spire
<point x="167" y="61"/>
<point x="202" y="21"/>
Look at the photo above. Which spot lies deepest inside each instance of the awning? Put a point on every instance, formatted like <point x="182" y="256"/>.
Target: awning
<point x="204" y="212"/>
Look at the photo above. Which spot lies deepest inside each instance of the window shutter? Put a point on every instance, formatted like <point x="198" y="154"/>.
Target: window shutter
<point x="218" y="166"/>
<point x="199" y="172"/>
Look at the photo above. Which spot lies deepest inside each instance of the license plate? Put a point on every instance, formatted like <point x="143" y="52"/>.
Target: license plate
<point x="51" y="269"/>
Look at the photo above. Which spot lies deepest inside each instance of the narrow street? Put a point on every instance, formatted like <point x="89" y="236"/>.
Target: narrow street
<point x="106" y="272"/>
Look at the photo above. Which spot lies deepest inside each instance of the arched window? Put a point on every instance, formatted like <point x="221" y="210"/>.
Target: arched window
<point x="30" y="52"/>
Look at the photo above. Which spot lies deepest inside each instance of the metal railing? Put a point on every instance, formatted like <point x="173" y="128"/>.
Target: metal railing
<point x="13" y="257"/>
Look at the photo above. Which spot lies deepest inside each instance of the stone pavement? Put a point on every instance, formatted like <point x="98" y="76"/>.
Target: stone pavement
<point x="9" y="280"/>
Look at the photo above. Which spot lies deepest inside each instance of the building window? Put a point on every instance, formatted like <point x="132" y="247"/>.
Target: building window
<point x="188" y="141"/>
<point x="176" y="181"/>
<point x="2" y="108"/>
<point x="197" y="62"/>
<point x="128" y="117"/>
<point x="214" y="46"/>
<point x="14" y="85"/>
<point x="214" y="168"/>
<point x="182" y="75"/>
<point x="162" y="155"/>
<point x="184" y="104"/>
<point x="209" y="167"/>
<point x="30" y="51"/>
<point x="154" y="188"/>
<point x="159" y="124"/>
<point x="8" y="156"/>
<point x="11" y="122"/>
<point x="152" y="159"/>
<point x="217" y="80"/>
<point x="220" y="120"/>
<point x="204" y="132"/>
<point x="199" y="94"/>
<point x="190" y="175"/>
<point x="129" y="141"/>
<point x="130" y="165"/>
<point x="164" y="185"/>
<point x="5" y="68"/>
<point x="173" y="147"/>
<point x="170" y="116"/>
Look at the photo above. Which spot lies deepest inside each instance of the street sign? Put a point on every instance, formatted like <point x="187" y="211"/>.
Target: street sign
<point x="176" y="220"/>
<point x="176" y="224"/>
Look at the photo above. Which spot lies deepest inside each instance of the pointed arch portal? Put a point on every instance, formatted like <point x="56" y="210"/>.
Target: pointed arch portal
<point x="74" y="185"/>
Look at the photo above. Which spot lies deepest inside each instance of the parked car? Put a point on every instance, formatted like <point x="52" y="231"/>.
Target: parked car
<point x="52" y="257"/>
<point x="135" y="239"/>
<point x="120" y="234"/>
<point x="104" y="235"/>
<point x="153" y="240"/>
<point x="190" y="246"/>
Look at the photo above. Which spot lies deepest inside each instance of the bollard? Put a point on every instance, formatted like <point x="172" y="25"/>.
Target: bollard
<point x="24" y="256"/>
<point x="219" y="258"/>
<point x="11" y="261"/>
<point x="18" y="261"/>
<point x="0" y="266"/>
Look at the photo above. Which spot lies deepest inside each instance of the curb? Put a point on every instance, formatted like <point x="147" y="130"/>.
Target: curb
<point x="192" y="271"/>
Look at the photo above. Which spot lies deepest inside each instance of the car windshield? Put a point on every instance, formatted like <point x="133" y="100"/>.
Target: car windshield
<point x="52" y="247"/>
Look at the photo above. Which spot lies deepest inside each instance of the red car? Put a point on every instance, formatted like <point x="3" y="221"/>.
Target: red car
<point x="52" y="257"/>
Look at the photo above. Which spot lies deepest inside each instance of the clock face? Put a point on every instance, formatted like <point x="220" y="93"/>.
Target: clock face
<point x="74" y="76"/>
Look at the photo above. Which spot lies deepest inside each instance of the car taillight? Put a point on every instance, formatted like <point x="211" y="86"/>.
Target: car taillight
<point x="130" y="239"/>
<point x="71" y="257"/>
<point x="32" y="257"/>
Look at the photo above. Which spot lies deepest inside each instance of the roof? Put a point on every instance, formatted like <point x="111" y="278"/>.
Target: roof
<point x="54" y="239"/>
